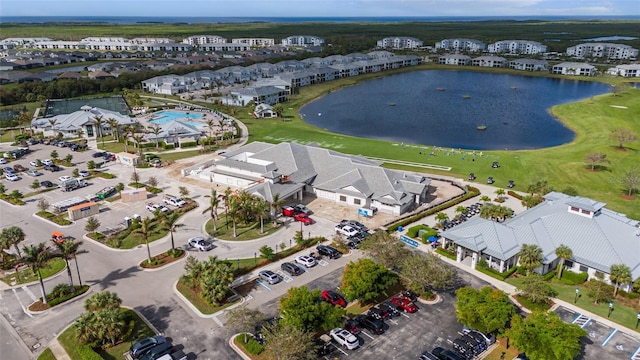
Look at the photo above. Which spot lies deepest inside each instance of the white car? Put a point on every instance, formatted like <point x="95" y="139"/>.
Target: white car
<point x="12" y="177"/>
<point x="200" y="244"/>
<point x="46" y="162"/>
<point x="177" y="202"/>
<point x="2" y="161"/>
<point x="306" y="261"/>
<point x="153" y="207"/>
<point x="34" y="173"/>
<point x="34" y="163"/>
<point x="344" y="338"/>
<point x="346" y="230"/>
<point x="64" y="178"/>
<point x="84" y="173"/>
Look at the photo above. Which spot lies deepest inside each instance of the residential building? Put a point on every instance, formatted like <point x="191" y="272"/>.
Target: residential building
<point x="399" y="42"/>
<point x="264" y="111"/>
<point x="302" y="41"/>
<point x="291" y="170"/>
<point x="489" y="61"/>
<point x="225" y="47"/>
<point x="517" y="47"/>
<point x="255" y="42"/>
<point x="454" y="59"/>
<point x="82" y="121"/>
<point x="598" y="237"/>
<point x="603" y="50"/>
<point x="469" y="45"/>
<point x="631" y="70"/>
<point x="258" y="95"/>
<point x="175" y="133"/>
<point x="196" y="40"/>
<point x="574" y="68"/>
<point x="528" y="64"/>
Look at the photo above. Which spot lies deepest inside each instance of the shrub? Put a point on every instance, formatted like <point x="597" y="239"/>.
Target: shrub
<point x="188" y="144"/>
<point x="414" y="230"/>
<point x="252" y="346"/>
<point x="59" y="291"/>
<point x="87" y="353"/>
<point x="79" y="291"/>
<point x="153" y="190"/>
<point x="571" y="278"/>
<point x="446" y="253"/>
<point x="168" y="146"/>
<point x="550" y="275"/>
<point x="485" y="269"/>
<point x="514" y="194"/>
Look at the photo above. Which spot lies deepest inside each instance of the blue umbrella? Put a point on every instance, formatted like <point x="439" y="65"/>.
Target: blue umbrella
<point x="432" y="239"/>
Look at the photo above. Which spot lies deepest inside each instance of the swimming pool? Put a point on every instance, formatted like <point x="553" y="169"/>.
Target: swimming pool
<point x="167" y="116"/>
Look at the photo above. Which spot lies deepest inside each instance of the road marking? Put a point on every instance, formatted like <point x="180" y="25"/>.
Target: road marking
<point x="263" y="285"/>
<point x="323" y="263"/>
<point x="24" y="310"/>
<point x="248" y="297"/>
<point x="609" y="337"/>
<point x="636" y="355"/>
<point x="284" y="276"/>
<point x="215" y="318"/>
<point x="405" y="315"/>
<point x="33" y="297"/>
<point x="364" y="333"/>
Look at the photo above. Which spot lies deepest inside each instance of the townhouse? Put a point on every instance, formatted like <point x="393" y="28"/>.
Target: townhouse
<point x="574" y="68"/>
<point x="603" y="50"/>
<point x="456" y="45"/>
<point x="517" y="47"/>
<point x="399" y="42"/>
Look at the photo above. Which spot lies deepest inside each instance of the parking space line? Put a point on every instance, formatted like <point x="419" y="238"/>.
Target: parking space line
<point x="405" y="315"/>
<point x="609" y="337"/>
<point x="248" y="297"/>
<point x="636" y="355"/>
<point x="285" y="277"/>
<point x="364" y="333"/>
<point x="393" y="321"/>
<point x="342" y="351"/>
<point x="323" y="263"/>
<point x="28" y="291"/>
<point x="263" y="285"/>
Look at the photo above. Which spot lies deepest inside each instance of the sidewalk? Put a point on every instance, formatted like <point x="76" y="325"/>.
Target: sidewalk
<point x="58" y="351"/>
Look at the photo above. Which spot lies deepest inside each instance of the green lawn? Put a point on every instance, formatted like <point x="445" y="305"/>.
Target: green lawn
<point x="69" y="339"/>
<point x="26" y="276"/>
<point x="249" y="232"/>
<point x="623" y="315"/>
<point x="197" y="301"/>
<point x="47" y="354"/>
<point x="561" y="166"/>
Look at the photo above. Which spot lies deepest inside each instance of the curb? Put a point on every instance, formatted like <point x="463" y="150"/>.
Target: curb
<point x="89" y="290"/>
<point x="35" y="282"/>
<point x="184" y="256"/>
<point x="73" y="223"/>
<point x="195" y="310"/>
<point x="237" y="349"/>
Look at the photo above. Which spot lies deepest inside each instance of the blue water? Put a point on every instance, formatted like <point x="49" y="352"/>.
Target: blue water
<point x="514" y="108"/>
<point x="212" y="19"/>
<point x="167" y="116"/>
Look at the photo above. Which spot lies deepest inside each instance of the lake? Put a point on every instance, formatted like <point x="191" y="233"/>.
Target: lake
<point x="444" y="108"/>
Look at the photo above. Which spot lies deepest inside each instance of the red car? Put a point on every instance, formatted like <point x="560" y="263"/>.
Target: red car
<point x="334" y="298"/>
<point x="288" y="211"/>
<point x="404" y="303"/>
<point x="303" y="218"/>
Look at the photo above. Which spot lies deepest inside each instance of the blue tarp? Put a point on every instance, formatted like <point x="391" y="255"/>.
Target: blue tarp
<point x="432" y="239"/>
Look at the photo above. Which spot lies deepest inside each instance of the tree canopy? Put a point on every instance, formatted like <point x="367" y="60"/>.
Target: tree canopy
<point x="385" y="249"/>
<point x="366" y="281"/>
<point x="305" y="310"/>
<point x="286" y="342"/>
<point x="487" y="310"/>
<point x="544" y="336"/>
<point x="530" y="257"/>
<point x="536" y="289"/>
<point x="243" y="319"/>
<point x="427" y="271"/>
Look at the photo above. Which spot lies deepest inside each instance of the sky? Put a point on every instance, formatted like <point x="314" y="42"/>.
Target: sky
<point x="317" y="8"/>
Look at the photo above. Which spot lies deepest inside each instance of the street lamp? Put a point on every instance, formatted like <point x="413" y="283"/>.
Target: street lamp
<point x="289" y="243"/>
<point x="638" y="321"/>
<point x="610" y="308"/>
<point x="577" y="294"/>
<point x="255" y="258"/>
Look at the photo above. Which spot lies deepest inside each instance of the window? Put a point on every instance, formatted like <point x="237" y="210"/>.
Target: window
<point x="583" y="268"/>
<point x="357" y="201"/>
<point x="568" y="264"/>
<point x="343" y="198"/>
<point x="586" y="212"/>
<point x="573" y="208"/>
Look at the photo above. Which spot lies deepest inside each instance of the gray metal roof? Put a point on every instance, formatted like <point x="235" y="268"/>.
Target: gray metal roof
<point x="599" y="241"/>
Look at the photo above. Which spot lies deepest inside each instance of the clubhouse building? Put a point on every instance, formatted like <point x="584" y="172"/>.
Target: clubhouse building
<point x="598" y="237"/>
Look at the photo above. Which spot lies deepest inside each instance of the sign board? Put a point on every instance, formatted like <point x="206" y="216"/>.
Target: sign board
<point x="365" y="212"/>
<point x="409" y="241"/>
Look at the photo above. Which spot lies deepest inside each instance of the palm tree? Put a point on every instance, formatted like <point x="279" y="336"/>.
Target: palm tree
<point x="169" y="221"/>
<point x="138" y="137"/>
<point x="98" y="120"/>
<point x="37" y="256"/>
<point x="102" y="300"/>
<point x="619" y="274"/>
<point x="67" y="250"/>
<point x="210" y="125"/>
<point x="13" y="236"/>
<point x="563" y="252"/>
<point x="227" y="204"/>
<point x="145" y="231"/>
<point x="53" y="123"/>
<point x="442" y="217"/>
<point x="461" y="210"/>
<point x="214" y="202"/>
<point x="155" y="129"/>
<point x="274" y="206"/>
<point x="529" y="201"/>
<point x="530" y="257"/>
<point x="127" y="130"/>
<point x="500" y="193"/>
<point x="5" y="244"/>
<point x="235" y="212"/>
<point x="113" y="124"/>
<point x="259" y="207"/>
<point x="111" y="322"/>
<point x="485" y="198"/>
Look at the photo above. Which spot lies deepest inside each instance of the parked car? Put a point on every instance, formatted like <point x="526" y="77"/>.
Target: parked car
<point x="19" y="168"/>
<point x="84" y="173"/>
<point x="269" y="276"/>
<point x="175" y="201"/>
<point x="64" y="178"/>
<point x="47" y="162"/>
<point x="353" y="223"/>
<point x="346" y="230"/>
<point x="303" y="218"/>
<point x="288" y="211"/>
<point x="352" y="326"/>
<point x="34" y="163"/>
<point x="291" y="268"/>
<point x="153" y="207"/>
<point x="324" y="345"/>
<point x="404" y="303"/>
<point x="489" y="339"/>
<point x="444" y="354"/>
<point x="47" y="184"/>
<point x="328" y="251"/>
<point x="306" y="261"/>
<point x="334" y="298"/>
<point x="2" y="161"/>
<point x="463" y="348"/>
<point x="428" y="356"/>
<point x="52" y="168"/>
<point x="303" y="209"/>
<point x="378" y="314"/>
<point x="34" y="173"/>
<point x="391" y="308"/>
<point x="200" y="244"/>
<point x="8" y="170"/>
<point x="97" y="154"/>
<point x="373" y="325"/>
<point x="157" y="351"/>
<point x="143" y="345"/>
<point x="12" y="177"/>
<point x="344" y="338"/>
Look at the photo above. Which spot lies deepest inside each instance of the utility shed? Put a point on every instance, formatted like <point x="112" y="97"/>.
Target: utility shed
<point x="83" y="210"/>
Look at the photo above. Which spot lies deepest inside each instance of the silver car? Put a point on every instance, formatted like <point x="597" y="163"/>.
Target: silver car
<point x="269" y="276"/>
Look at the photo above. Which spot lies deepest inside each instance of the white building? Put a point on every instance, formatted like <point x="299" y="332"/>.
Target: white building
<point x="489" y="61"/>
<point x="454" y="59"/>
<point x="399" y="42"/>
<point x="204" y="39"/>
<point x="84" y="121"/>
<point x="574" y="68"/>
<point x="517" y="47"/>
<point x="631" y="70"/>
<point x="603" y="50"/>
<point x="225" y="47"/>
<point x="528" y="64"/>
<point x="302" y="40"/>
<point x="255" y="42"/>
<point x="470" y="45"/>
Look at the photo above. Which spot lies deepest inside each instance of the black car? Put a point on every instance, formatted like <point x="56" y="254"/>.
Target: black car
<point x="352" y="326"/>
<point x="47" y="184"/>
<point x="157" y="351"/>
<point x="52" y="168"/>
<point x="373" y="325"/>
<point x="463" y="348"/>
<point x="143" y="345"/>
<point x="291" y="269"/>
<point x="377" y="313"/>
<point x="478" y="346"/>
<point x="444" y="354"/>
<point x="428" y="356"/>
<point x="328" y="251"/>
<point x="391" y="308"/>
<point x="98" y="154"/>
<point x="490" y="180"/>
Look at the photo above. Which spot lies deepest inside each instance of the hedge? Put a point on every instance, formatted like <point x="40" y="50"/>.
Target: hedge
<point x="495" y="273"/>
<point x="471" y="192"/>
<point x="87" y="353"/>
<point x="446" y="253"/>
<point x="414" y="230"/>
<point x="168" y="146"/>
<point x="571" y="278"/>
<point x="514" y="194"/>
<point x="78" y="292"/>
<point x="252" y="346"/>
<point x="188" y="144"/>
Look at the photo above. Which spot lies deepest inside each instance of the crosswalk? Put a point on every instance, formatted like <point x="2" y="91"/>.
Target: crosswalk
<point x="581" y="320"/>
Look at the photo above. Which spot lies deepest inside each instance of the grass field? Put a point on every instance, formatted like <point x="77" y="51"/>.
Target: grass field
<point x="47" y="354"/>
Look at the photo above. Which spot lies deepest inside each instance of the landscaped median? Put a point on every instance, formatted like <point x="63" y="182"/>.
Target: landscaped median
<point x="25" y="275"/>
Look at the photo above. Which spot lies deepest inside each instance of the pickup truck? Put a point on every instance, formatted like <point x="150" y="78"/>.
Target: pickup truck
<point x="174" y="201"/>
